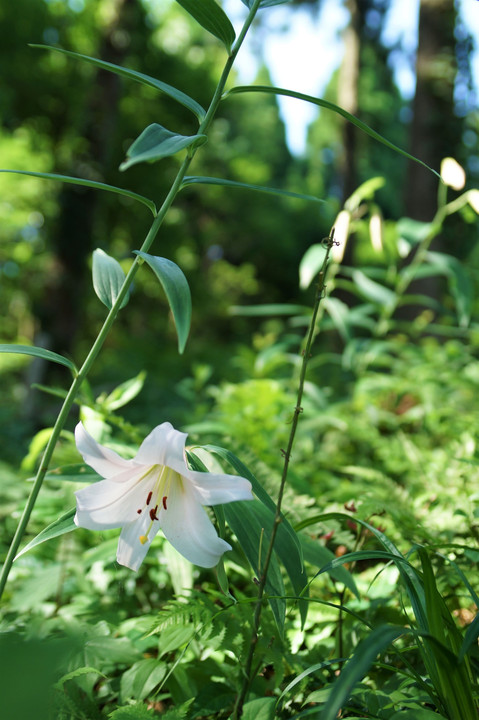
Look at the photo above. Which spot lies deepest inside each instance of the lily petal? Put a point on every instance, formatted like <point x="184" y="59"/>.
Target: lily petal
<point x="188" y="528"/>
<point x="216" y="489"/>
<point x="163" y="446"/>
<point x="131" y="551"/>
<point x="109" y="504"/>
<point x="104" y="461"/>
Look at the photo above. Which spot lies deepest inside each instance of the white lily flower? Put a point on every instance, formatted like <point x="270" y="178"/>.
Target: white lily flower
<point x="154" y="490"/>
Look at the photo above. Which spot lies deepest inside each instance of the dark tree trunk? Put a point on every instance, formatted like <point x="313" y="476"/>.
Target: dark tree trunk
<point x="435" y="130"/>
<point x="348" y="97"/>
<point x="73" y="240"/>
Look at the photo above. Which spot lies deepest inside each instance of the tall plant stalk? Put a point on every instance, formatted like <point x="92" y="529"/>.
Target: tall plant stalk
<point x="111" y="317"/>
<point x="248" y="672"/>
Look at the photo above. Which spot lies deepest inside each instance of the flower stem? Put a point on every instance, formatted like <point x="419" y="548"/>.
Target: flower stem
<point x="111" y="317"/>
<point x="248" y="673"/>
<point x="409" y="272"/>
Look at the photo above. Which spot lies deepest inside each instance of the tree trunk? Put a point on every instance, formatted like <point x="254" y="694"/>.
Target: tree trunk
<point x="73" y="240"/>
<point x="348" y="98"/>
<point x="435" y="130"/>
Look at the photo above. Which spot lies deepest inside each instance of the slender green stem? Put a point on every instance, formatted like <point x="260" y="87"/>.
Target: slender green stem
<point x="409" y="272"/>
<point x="111" y="317"/>
<point x="248" y="668"/>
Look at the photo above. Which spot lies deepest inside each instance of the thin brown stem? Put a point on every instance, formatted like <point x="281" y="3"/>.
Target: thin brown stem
<point x="248" y="668"/>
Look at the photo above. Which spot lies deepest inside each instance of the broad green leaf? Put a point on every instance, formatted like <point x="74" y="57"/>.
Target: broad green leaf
<point x="250" y="532"/>
<point x="89" y="183"/>
<point x="60" y="526"/>
<point x="156" y="142"/>
<point x="40" y="353"/>
<point x="138" y="76"/>
<point x="212" y="18"/>
<point x="199" y="179"/>
<point x="108" y="278"/>
<point x="311" y="263"/>
<point x="260" y="709"/>
<point x="470" y="638"/>
<point x="177" y="291"/>
<point x="340" y="315"/>
<point x="253" y="540"/>
<point x="357" y="667"/>
<point x="372" y="290"/>
<point x="288" y="549"/>
<point x="124" y="393"/>
<point x="142" y="678"/>
<point x="329" y="106"/>
<point x="258" y="490"/>
<point x="413" y="231"/>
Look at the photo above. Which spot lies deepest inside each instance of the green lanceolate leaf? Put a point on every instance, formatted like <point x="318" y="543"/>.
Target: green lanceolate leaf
<point x="460" y="283"/>
<point x="139" y="77"/>
<point x="357" y="667"/>
<point x="193" y="179"/>
<point x="40" y="353"/>
<point x="177" y="291"/>
<point x="108" y="278"/>
<point x="287" y="545"/>
<point x="470" y="638"/>
<point x="260" y="709"/>
<point x="254" y="540"/>
<point x="212" y="18"/>
<point x="318" y="555"/>
<point x="311" y="263"/>
<point x="124" y="393"/>
<point x="60" y="526"/>
<point x="329" y="106"/>
<point x="372" y="290"/>
<point x="269" y="310"/>
<point x="89" y="183"/>
<point x="156" y="142"/>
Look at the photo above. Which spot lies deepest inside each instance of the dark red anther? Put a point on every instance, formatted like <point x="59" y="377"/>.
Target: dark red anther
<point x="149" y="498"/>
<point x="139" y="512"/>
<point x="164" y="502"/>
<point x="153" y="514"/>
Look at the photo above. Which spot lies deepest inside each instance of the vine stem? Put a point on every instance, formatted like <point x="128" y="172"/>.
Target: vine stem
<point x="248" y="667"/>
<point x="111" y="317"/>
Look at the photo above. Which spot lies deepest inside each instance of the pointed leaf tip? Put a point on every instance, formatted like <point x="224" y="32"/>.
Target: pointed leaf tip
<point x="177" y="292"/>
<point x="173" y="92"/>
<point x="39" y="352"/>
<point x="156" y="142"/>
<point x="212" y="18"/>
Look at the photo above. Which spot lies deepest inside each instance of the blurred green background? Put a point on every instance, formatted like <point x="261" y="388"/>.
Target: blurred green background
<point x="235" y="247"/>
